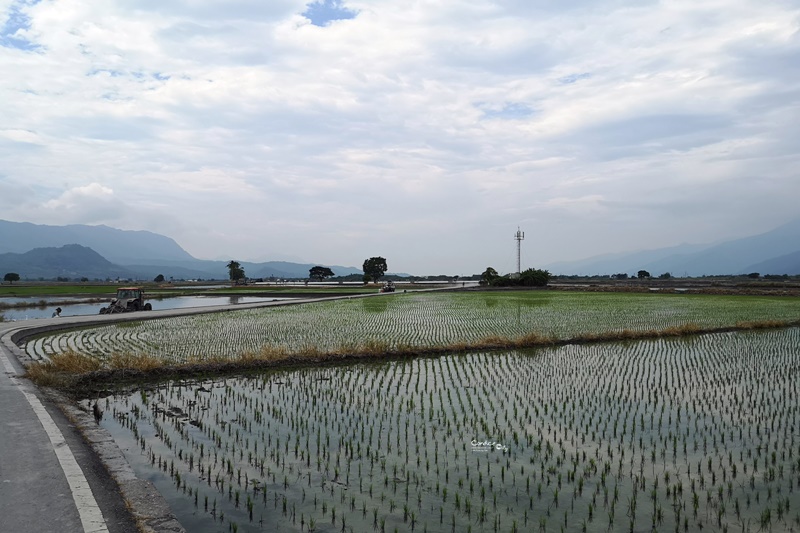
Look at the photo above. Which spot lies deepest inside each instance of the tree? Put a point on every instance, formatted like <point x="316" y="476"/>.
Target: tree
<point x="534" y="277"/>
<point x="643" y="274"/>
<point x="754" y="275"/>
<point x="488" y="276"/>
<point x="235" y="271"/>
<point x="374" y="268"/>
<point x="665" y="275"/>
<point x="319" y="273"/>
<point x="11" y="277"/>
<point x="159" y="278"/>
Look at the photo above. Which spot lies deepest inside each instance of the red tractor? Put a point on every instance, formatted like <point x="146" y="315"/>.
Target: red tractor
<point x="128" y="299"/>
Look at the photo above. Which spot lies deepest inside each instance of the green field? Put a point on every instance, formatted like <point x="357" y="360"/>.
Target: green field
<point x="45" y="290"/>
<point x="423" y="320"/>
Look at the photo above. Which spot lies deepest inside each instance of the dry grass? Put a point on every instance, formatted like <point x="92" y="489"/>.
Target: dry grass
<point x="61" y="369"/>
<point x="533" y="339"/>
<point x="686" y="329"/>
<point x="491" y="342"/>
<point x="761" y="324"/>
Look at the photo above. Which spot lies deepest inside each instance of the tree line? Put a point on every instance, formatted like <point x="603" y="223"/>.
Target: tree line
<point x="531" y="277"/>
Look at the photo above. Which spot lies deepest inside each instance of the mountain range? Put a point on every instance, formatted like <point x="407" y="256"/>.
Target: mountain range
<point x="775" y="252"/>
<point x="99" y="252"/>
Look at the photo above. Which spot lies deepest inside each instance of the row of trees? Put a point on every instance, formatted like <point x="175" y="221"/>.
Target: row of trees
<point x="642" y="274"/>
<point x="374" y="268"/>
<point x="528" y="278"/>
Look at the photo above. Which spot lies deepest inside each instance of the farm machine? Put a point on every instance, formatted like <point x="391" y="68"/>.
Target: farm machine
<point x="127" y="299"/>
<point x="388" y="287"/>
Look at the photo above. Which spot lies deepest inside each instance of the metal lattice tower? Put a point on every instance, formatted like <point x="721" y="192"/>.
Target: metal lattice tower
<point x="520" y="236"/>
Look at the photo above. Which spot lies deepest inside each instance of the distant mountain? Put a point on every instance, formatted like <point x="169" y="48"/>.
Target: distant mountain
<point x="785" y="264"/>
<point x="621" y="262"/>
<point x="773" y="252"/>
<point x="118" y="246"/>
<point x="201" y="269"/>
<point x="70" y="261"/>
<point x="130" y="254"/>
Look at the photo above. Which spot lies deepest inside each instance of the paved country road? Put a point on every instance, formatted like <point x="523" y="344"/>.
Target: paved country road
<point x="60" y="472"/>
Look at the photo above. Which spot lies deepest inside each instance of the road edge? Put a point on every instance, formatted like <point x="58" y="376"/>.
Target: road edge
<point x="147" y="506"/>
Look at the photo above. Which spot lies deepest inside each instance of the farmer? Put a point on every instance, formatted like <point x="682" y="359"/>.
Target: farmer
<point x="57" y="312"/>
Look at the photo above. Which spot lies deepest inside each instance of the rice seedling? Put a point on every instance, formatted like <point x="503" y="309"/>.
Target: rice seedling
<point x="675" y="433"/>
<point x="420" y="323"/>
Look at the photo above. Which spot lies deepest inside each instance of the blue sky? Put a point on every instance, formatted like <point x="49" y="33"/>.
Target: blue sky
<point x="327" y="11"/>
<point x="15" y="22"/>
<point x="425" y="132"/>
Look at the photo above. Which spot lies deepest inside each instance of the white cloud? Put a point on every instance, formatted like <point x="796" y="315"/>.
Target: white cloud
<point x="410" y="119"/>
<point x="91" y="203"/>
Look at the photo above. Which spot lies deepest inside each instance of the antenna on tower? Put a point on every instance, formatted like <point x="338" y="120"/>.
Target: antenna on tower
<point x="519" y="236"/>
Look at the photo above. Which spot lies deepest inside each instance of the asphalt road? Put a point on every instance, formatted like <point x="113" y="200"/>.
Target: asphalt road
<point x="49" y="479"/>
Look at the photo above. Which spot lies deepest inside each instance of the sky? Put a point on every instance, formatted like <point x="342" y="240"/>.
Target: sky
<point x="423" y="131"/>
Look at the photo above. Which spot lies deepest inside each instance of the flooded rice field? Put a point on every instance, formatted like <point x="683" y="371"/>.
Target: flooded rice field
<point x="685" y="434"/>
<point x="83" y="306"/>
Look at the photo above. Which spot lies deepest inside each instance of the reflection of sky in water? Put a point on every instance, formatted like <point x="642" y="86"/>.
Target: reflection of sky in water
<point x="82" y="308"/>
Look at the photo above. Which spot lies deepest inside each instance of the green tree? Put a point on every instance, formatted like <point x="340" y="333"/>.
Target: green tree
<point x="235" y="271"/>
<point x="643" y="274"/>
<point x="11" y="277"/>
<point x="488" y="276"/>
<point x="319" y="273"/>
<point x="665" y="275"/>
<point x="374" y="268"/>
<point x="159" y="278"/>
<point x="534" y="278"/>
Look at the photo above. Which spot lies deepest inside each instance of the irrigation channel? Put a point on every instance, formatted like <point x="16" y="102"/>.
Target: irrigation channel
<point x="80" y="306"/>
<point x="680" y="434"/>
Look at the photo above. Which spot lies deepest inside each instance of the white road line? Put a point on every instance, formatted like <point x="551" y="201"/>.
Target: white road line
<point x="89" y="512"/>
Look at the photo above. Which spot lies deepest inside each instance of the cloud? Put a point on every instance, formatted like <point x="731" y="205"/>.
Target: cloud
<point x="91" y="203"/>
<point x="321" y="127"/>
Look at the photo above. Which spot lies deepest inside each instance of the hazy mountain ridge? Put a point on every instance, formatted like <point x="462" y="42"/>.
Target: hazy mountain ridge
<point x="614" y="263"/>
<point x="774" y="252"/>
<point x="124" y="254"/>
<point x="144" y="255"/>
<point x="69" y="261"/>
<point x="117" y="246"/>
<point x="789" y="263"/>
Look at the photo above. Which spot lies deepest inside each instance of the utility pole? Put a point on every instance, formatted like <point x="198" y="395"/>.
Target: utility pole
<point x="520" y="236"/>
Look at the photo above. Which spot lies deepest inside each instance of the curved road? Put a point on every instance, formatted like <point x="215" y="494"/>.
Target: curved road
<point x="50" y="479"/>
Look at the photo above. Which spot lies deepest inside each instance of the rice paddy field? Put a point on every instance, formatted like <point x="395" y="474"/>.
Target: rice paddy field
<point x="403" y="321"/>
<point x="690" y="433"/>
<point x="698" y="433"/>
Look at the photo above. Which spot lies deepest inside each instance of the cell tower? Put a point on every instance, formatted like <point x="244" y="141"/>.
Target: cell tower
<point x="520" y="236"/>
